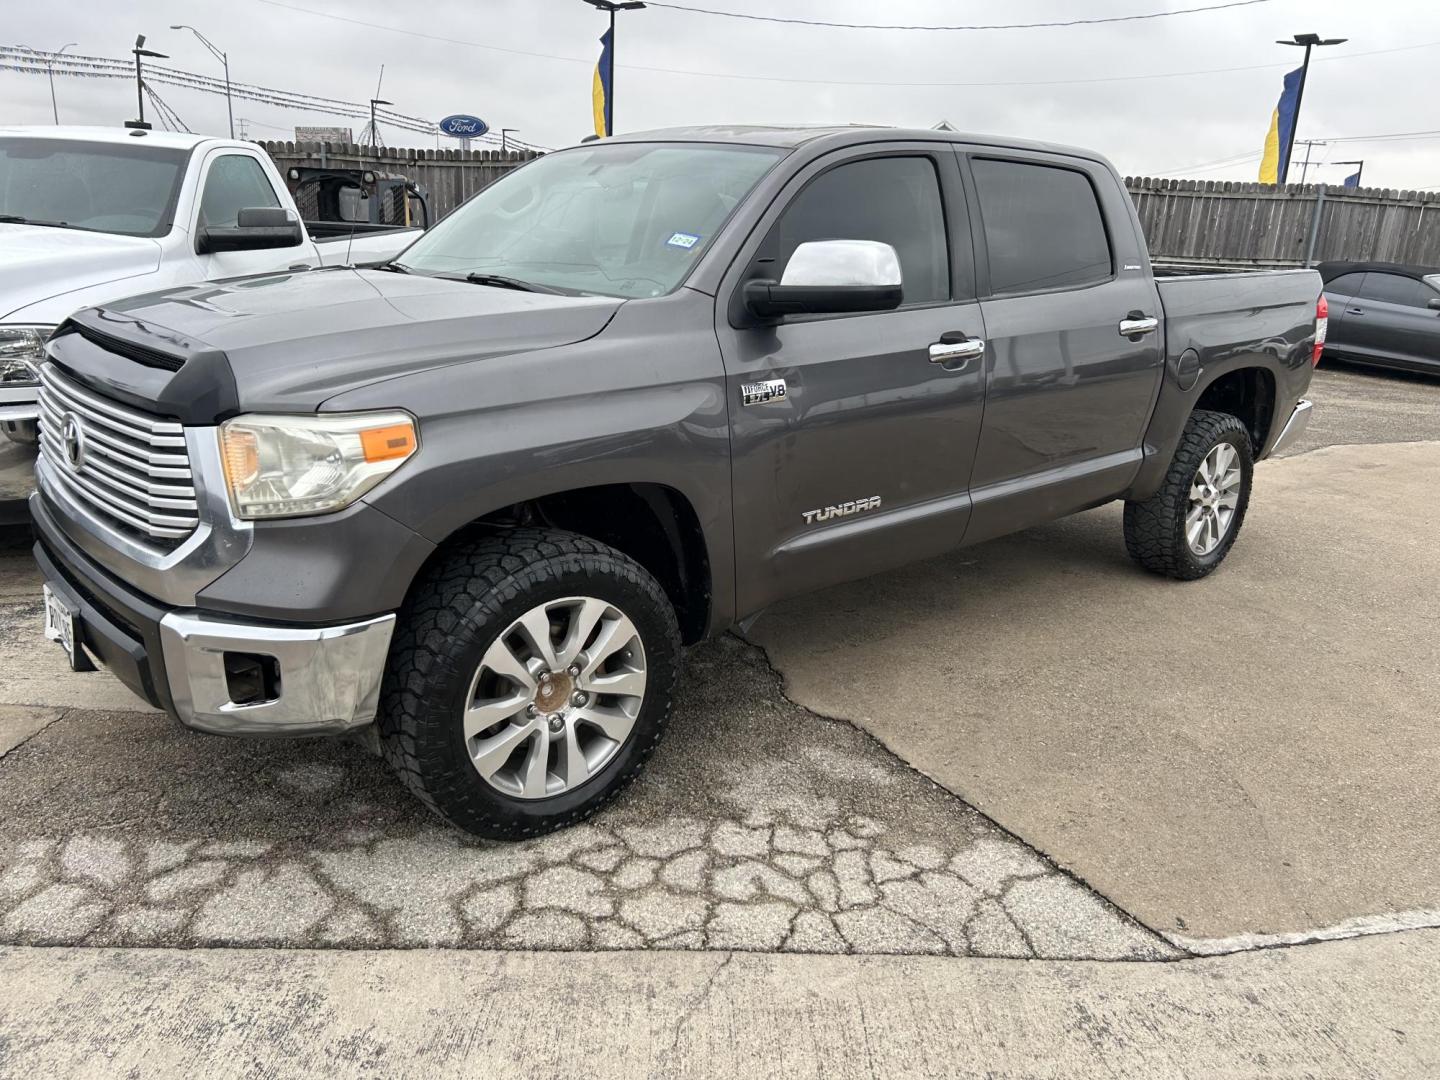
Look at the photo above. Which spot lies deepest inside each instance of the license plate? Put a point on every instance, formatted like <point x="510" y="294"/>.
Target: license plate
<point x="62" y="624"/>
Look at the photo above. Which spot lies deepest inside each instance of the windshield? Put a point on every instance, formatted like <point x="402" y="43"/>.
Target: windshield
<point x="620" y="219"/>
<point x="102" y="187"/>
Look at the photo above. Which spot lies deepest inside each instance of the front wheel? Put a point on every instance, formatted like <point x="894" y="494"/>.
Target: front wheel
<point x="1185" y="530"/>
<point x="530" y="679"/>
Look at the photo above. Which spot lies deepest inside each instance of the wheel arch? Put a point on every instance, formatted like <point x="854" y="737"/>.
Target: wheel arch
<point x="1244" y="387"/>
<point x="653" y="523"/>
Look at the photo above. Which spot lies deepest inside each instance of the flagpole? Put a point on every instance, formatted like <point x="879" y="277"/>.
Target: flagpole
<point x="613" y="6"/>
<point x="1295" y="124"/>
<point x="1309" y="41"/>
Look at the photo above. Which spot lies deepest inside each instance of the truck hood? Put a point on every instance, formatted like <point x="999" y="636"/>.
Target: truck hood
<point x="288" y="342"/>
<point x="38" y="262"/>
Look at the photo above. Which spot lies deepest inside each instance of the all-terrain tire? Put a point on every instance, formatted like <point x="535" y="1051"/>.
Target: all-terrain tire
<point x="454" y="614"/>
<point x="1155" y="527"/>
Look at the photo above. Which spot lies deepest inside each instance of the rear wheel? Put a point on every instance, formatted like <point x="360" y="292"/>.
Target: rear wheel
<point x="530" y="679"/>
<point x="1186" y="529"/>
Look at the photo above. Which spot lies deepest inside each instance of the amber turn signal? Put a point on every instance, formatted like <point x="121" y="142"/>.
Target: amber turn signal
<point x="388" y="443"/>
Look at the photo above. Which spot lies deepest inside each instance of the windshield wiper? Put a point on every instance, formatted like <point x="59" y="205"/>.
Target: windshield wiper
<point x="500" y="281"/>
<point x="393" y="267"/>
<point x="16" y="219"/>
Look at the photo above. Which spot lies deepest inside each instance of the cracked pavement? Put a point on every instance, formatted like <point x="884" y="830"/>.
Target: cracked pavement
<point x="759" y="826"/>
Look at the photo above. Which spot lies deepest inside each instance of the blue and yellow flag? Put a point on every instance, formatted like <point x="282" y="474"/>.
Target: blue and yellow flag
<point x="600" y="92"/>
<point x="1276" y="162"/>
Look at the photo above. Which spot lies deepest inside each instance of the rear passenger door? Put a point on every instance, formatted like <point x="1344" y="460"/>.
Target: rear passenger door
<point x="1338" y="292"/>
<point x="864" y="461"/>
<point x="1068" y="393"/>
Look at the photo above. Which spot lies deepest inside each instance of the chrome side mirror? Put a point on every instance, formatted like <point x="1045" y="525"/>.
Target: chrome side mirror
<point x="829" y="277"/>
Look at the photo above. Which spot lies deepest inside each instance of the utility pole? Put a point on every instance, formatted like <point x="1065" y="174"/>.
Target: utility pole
<point x="611" y="6"/>
<point x="50" y="70"/>
<point x="225" y="63"/>
<point x="504" y="145"/>
<point x="140" y="51"/>
<point x="1305" y="165"/>
<point x="1307" y="42"/>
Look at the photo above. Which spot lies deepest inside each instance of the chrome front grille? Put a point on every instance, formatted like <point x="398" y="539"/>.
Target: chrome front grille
<point x="128" y="466"/>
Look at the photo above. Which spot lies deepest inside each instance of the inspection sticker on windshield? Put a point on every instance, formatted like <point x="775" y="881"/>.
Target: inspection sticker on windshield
<point x="683" y="240"/>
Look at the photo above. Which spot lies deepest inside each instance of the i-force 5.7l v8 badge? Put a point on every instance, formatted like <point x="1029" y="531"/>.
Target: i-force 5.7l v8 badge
<point x="757" y="393"/>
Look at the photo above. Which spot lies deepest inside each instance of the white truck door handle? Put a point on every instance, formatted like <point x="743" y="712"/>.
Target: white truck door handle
<point x="1135" y="324"/>
<point x="943" y="352"/>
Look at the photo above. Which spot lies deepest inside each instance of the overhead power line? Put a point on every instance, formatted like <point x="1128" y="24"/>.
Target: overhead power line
<point x="972" y="26"/>
<point x="18" y="58"/>
<point x="1241" y="159"/>
<point x="589" y="62"/>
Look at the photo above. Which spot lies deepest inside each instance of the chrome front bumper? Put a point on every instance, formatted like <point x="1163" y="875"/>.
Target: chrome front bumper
<point x="1294" y="427"/>
<point x="326" y="680"/>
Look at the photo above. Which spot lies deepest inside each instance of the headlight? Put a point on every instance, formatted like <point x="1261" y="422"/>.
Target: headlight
<point x="290" y="466"/>
<point x="22" y="350"/>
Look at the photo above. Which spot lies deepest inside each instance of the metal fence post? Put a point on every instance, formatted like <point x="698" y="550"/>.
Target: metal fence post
<point x="1315" y="228"/>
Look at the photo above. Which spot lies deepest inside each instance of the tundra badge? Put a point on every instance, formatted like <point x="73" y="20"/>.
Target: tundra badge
<point x="845" y="509"/>
<point x="757" y="393"/>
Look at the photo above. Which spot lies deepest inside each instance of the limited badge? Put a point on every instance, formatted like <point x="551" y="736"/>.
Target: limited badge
<point x="757" y="393"/>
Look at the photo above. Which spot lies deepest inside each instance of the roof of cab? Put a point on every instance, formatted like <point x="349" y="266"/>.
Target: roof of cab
<point x="177" y="140"/>
<point x="793" y="136"/>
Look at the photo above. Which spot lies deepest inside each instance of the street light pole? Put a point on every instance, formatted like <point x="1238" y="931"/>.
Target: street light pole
<point x="224" y="59"/>
<point x="140" y="51"/>
<point x="612" y="6"/>
<point x="50" y="70"/>
<point x="1307" y="42"/>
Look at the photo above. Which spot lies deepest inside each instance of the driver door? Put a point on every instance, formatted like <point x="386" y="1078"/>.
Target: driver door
<point x="863" y="462"/>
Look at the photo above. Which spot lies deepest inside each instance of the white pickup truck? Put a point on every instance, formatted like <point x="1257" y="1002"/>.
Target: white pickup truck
<point x="89" y="215"/>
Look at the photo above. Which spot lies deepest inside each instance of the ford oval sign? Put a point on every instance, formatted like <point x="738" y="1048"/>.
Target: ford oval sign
<point x="461" y="126"/>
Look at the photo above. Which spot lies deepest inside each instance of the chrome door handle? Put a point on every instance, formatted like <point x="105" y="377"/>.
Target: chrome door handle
<point x="942" y="352"/>
<point x="1135" y="324"/>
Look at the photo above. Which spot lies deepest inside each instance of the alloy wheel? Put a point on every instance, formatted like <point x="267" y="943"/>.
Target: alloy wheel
<point x="555" y="697"/>
<point x="1214" y="496"/>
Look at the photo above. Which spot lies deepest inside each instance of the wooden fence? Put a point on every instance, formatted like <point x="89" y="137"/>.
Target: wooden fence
<point x="1201" y="222"/>
<point x="1224" y="222"/>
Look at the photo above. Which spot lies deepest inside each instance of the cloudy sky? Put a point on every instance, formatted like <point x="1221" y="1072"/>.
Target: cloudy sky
<point x="527" y="64"/>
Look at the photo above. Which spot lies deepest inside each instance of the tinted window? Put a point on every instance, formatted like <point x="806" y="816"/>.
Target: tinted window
<point x="1043" y="227"/>
<point x="1394" y="289"/>
<point x="1345" y="284"/>
<point x="127" y="188"/>
<point x="235" y="182"/>
<point x="893" y="200"/>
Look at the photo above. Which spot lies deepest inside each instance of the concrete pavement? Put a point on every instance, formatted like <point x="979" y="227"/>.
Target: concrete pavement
<point x="1254" y="753"/>
<point x="1363" y="1008"/>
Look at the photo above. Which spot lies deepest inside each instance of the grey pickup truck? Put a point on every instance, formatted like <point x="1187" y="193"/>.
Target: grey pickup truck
<point x="470" y="504"/>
